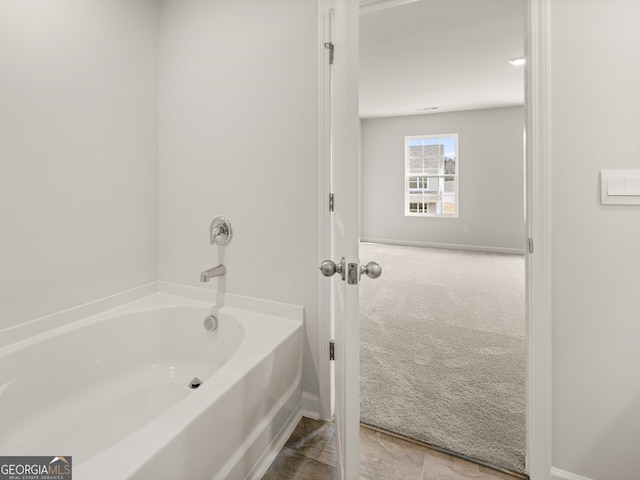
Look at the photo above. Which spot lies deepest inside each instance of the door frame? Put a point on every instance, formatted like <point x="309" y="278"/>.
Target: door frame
<point x="325" y="329"/>
<point x="538" y="225"/>
<point x="538" y="228"/>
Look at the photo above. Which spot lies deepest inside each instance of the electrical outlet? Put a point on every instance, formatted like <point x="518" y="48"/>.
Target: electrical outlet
<point x="465" y="229"/>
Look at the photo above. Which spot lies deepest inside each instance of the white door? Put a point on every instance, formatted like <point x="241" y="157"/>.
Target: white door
<point x="343" y="225"/>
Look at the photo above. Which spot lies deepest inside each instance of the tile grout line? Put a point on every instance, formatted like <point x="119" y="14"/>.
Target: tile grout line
<point x="324" y="449"/>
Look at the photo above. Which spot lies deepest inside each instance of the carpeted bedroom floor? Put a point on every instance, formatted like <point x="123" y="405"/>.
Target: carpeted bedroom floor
<point x="443" y="350"/>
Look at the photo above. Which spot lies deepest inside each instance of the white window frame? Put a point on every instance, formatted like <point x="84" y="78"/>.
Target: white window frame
<point x="408" y="175"/>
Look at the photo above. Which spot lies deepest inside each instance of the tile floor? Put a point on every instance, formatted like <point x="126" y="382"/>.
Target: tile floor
<point x="310" y="454"/>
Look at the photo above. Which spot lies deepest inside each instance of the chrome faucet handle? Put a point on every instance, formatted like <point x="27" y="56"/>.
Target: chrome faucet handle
<point x="220" y="231"/>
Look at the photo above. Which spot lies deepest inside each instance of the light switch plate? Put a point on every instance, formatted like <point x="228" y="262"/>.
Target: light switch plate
<point x="620" y="187"/>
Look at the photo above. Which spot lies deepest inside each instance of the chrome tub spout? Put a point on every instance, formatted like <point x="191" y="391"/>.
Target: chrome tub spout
<point x="216" y="271"/>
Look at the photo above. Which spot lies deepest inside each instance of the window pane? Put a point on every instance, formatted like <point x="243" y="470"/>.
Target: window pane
<point x="449" y="208"/>
<point x="450" y="184"/>
<point x="432" y="164"/>
<point x="415" y="150"/>
<point x="431" y="169"/>
<point x="450" y="165"/>
<point x="416" y="165"/>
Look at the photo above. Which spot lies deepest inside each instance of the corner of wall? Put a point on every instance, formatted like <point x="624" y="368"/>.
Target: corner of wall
<point x="311" y="406"/>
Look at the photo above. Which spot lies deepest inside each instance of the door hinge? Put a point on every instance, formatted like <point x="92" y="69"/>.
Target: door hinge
<point x="331" y="47"/>
<point x="332" y="350"/>
<point x="530" y="244"/>
<point x="331" y="202"/>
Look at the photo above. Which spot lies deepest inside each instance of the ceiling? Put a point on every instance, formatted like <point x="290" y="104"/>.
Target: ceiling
<point x="429" y="56"/>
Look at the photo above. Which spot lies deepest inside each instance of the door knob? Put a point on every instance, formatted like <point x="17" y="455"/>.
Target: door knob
<point x="371" y="270"/>
<point x="329" y="268"/>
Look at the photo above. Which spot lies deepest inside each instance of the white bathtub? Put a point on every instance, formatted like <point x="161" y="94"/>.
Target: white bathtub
<point x="112" y="391"/>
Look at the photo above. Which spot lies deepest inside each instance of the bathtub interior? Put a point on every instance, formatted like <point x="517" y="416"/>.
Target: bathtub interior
<point x="59" y="388"/>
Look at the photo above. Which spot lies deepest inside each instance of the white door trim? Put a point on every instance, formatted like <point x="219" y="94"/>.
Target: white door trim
<point x="325" y="334"/>
<point x="538" y="228"/>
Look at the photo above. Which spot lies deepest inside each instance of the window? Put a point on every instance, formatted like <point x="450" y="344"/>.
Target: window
<point x="431" y="176"/>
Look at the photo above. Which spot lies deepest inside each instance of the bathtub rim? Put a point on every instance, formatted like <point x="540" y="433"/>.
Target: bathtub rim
<point x="27" y="332"/>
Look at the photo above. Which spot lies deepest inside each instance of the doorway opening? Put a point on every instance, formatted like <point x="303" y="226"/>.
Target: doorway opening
<point x="443" y="344"/>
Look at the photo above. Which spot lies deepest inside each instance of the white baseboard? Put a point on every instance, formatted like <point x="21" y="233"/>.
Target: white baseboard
<point x="473" y="248"/>
<point x="311" y="405"/>
<point x="557" y="474"/>
<point x="274" y="448"/>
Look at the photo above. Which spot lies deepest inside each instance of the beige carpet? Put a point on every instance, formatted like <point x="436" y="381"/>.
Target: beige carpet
<point x="443" y="351"/>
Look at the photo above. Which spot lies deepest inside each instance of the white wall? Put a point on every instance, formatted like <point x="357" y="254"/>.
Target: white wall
<point x="491" y="179"/>
<point x="78" y="152"/>
<point x="238" y="137"/>
<point x="78" y="177"/>
<point x="79" y="136"/>
<point x="595" y="113"/>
